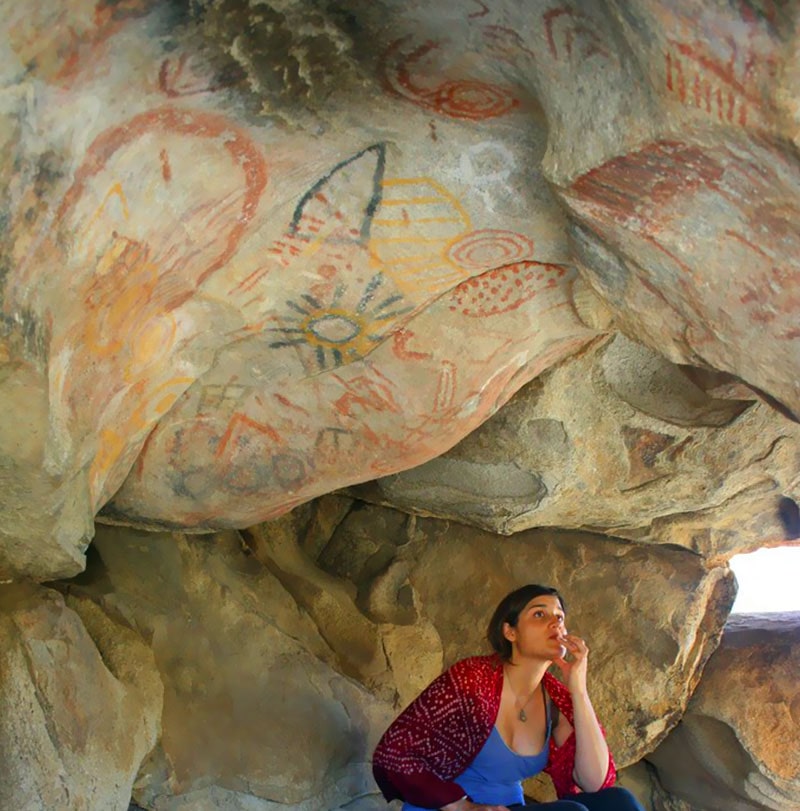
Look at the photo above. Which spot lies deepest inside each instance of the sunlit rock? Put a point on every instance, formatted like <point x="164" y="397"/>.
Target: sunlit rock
<point x="735" y="747"/>
<point x="661" y="626"/>
<point x="252" y="705"/>
<point x="253" y="252"/>
<point x="226" y="272"/>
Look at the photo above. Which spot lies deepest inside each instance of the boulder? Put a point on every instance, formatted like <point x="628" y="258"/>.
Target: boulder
<point x="736" y="746"/>
<point x="78" y="712"/>
<point x="254" y="713"/>
<point x="652" y="616"/>
<point x="49" y="541"/>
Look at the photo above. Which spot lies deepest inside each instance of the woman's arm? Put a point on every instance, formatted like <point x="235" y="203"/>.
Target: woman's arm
<point x="421" y="787"/>
<point x="591" y="750"/>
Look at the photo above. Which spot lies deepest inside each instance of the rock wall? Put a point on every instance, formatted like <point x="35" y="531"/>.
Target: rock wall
<point x="618" y="440"/>
<point x="366" y="257"/>
<point x="80" y="700"/>
<point x="735" y="746"/>
<point x="280" y="669"/>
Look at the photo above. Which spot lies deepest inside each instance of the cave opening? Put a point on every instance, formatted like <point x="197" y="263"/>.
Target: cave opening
<point x="767" y="580"/>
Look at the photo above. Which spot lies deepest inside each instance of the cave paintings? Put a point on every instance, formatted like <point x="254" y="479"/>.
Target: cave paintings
<point x="283" y="431"/>
<point x="666" y="209"/>
<point x="408" y="68"/>
<point x="59" y="41"/>
<point x="727" y="70"/>
<point x="409" y="400"/>
<point x="363" y="253"/>
<point x="572" y="35"/>
<point x="131" y="278"/>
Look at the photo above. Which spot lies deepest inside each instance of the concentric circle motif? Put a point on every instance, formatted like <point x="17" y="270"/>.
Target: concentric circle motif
<point x="473" y="100"/>
<point x="490" y="248"/>
<point x="503" y="289"/>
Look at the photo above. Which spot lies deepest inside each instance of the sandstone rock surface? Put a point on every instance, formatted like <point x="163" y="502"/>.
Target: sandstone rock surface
<point x="736" y="746"/>
<point x="252" y="709"/>
<point x="618" y="440"/>
<point x="408" y="219"/>
<point x="253" y="252"/>
<point x="76" y="720"/>
<point x="650" y="639"/>
<point x="273" y="694"/>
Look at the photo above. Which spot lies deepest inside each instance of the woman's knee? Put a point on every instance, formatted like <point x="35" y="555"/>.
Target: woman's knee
<point x="615" y="798"/>
<point x="624" y="800"/>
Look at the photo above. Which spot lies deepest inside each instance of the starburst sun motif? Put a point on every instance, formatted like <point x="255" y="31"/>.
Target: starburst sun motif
<point x="332" y="333"/>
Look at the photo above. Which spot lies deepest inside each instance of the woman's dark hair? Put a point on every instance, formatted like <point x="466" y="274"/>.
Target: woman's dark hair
<point x="508" y="611"/>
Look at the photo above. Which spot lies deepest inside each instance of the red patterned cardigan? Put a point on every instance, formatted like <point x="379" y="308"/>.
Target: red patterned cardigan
<point x="439" y="734"/>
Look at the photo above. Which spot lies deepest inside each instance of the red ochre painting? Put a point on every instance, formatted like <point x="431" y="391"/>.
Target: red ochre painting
<point x="341" y="349"/>
<point x="134" y="276"/>
<point x="370" y="363"/>
<point x="356" y="422"/>
<point x="408" y="68"/>
<point x="241" y="310"/>
<point x="646" y="202"/>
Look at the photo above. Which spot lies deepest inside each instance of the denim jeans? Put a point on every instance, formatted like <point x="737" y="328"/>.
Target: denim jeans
<point x="607" y="799"/>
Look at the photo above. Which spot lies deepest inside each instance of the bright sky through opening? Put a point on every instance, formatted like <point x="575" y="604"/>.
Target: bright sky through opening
<point x="769" y="580"/>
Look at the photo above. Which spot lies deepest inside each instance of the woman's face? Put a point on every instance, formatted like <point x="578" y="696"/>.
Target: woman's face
<point x="540" y="630"/>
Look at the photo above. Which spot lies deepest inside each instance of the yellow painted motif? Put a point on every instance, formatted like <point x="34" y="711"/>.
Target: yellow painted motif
<point x="96" y="229"/>
<point x="411" y="235"/>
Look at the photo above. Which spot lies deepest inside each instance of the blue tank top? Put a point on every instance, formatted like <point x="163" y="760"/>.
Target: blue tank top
<point x="495" y="775"/>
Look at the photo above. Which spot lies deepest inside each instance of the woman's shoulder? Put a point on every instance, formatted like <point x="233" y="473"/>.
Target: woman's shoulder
<point x="478" y="681"/>
<point x="477" y="672"/>
<point x="475" y="675"/>
<point x="484" y="665"/>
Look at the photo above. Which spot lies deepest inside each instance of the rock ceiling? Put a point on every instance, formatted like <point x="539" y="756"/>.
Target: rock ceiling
<point x="255" y="253"/>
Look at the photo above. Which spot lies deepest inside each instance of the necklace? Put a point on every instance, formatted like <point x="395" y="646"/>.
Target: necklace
<point x="522" y="715"/>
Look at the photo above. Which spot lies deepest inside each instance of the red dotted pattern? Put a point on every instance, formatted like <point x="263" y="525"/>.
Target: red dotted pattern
<point x="503" y="289"/>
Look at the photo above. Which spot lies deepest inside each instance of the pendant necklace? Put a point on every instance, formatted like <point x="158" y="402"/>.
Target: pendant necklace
<point x="521" y="714"/>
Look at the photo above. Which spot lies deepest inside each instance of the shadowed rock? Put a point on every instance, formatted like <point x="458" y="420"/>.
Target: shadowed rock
<point x="79" y="710"/>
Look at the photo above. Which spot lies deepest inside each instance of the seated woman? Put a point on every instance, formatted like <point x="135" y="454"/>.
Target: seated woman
<point x="489" y="722"/>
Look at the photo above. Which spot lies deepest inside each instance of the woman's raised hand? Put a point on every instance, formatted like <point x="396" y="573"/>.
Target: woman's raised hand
<point x="575" y="669"/>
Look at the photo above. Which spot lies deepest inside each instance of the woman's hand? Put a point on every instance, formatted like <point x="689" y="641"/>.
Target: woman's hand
<point x="575" y="670"/>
